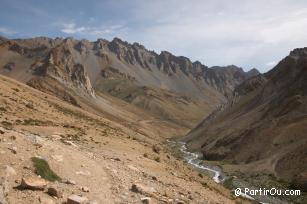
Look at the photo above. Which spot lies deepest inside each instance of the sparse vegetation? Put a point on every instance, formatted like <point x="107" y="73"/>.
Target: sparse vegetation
<point x="157" y="159"/>
<point x="36" y="122"/>
<point x="80" y="115"/>
<point x="42" y="168"/>
<point x="228" y="183"/>
<point x="7" y="125"/>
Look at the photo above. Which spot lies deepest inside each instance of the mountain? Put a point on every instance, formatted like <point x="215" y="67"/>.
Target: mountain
<point x="44" y="138"/>
<point x="169" y="88"/>
<point x="100" y="113"/>
<point x="262" y="129"/>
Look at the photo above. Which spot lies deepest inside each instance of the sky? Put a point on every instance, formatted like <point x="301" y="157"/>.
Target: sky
<point x="246" y="33"/>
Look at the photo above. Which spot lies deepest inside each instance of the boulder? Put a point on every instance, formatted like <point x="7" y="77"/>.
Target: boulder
<point x="33" y="183"/>
<point x="142" y="189"/>
<point x="75" y="199"/>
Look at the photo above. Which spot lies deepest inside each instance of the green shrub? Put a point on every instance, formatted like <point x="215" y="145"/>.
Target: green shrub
<point x="42" y="168"/>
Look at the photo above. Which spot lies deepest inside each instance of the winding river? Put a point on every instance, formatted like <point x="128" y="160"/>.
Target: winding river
<point x="194" y="159"/>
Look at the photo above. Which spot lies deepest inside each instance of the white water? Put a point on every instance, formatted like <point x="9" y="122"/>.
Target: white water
<point x="193" y="160"/>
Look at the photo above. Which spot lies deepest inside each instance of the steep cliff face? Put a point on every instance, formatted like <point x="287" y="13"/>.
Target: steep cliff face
<point x="71" y="68"/>
<point x="263" y="128"/>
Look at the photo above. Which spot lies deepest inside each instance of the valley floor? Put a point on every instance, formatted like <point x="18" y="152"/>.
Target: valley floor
<point x="94" y="157"/>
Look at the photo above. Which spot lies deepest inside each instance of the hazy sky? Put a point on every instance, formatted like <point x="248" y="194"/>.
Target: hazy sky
<point x="247" y="33"/>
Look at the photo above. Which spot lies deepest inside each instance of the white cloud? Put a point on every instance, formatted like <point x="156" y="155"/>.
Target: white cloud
<point x="271" y="64"/>
<point x="91" y="31"/>
<point x="219" y="32"/>
<point x="70" y="28"/>
<point x="247" y="33"/>
<point x="7" y="31"/>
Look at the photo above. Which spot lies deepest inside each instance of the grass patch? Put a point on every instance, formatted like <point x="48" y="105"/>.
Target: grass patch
<point x="42" y="168"/>
<point x="228" y="183"/>
<point x="157" y="159"/>
<point x="36" y="122"/>
<point x="80" y="115"/>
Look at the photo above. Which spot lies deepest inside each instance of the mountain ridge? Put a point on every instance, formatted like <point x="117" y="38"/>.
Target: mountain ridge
<point x="73" y="69"/>
<point x="262" y="129"/>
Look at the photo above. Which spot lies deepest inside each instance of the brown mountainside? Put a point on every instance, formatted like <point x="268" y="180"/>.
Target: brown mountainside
<point x="167" y="87"/>
<point x="263" y="129"/>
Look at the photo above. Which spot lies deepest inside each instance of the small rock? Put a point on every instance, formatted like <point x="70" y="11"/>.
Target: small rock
<point x="53" y="191"/>
<point x="133" y="168"/>
<point x="154" y="178"/>
<point x="70" y="181"/>
<point x="85" y="189"/>
<point x="174" y="174"/>
<point x="58" y="158"/>
<point x="156" y="148"/>
<point x="148" y="200"/>
<point x="27" y="167"/>
<point x="75" y="199"/>
<point x="13" y="150"/>
<point x="45" y="200"/>
<point x="87" y="173"/>
<point x="145" y="190"/>
<point x="9" y="171"/>
<point x="33" y="183"/>
<point x="13" y="137"/>
<point x="92" y="202"/>
<point x="69" y="143"/>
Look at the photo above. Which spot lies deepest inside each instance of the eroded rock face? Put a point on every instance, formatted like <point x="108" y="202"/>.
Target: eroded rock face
<point x="77" y="63"/>
<point x="78" y="71"/>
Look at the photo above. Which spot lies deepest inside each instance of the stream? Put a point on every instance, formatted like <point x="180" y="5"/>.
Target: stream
<point x="194" y="160"/>
<point x="215" y="172"/>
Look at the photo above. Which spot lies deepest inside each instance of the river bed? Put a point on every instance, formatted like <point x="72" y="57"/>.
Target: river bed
<point x="194" y="159"/>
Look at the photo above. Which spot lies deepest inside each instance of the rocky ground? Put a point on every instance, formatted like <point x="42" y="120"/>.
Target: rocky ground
<point x="97" y="160"/>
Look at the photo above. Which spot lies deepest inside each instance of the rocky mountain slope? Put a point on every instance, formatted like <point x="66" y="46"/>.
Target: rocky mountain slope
<point x="263" y="128"/>
<point x="89" y="158"/>
<point x="169" y="88"/>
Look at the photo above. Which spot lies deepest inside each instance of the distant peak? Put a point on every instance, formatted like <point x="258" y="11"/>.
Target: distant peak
<point x="299" y="52"/>
<point x="254" y="71"/>
<point x="118" y="40"/>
